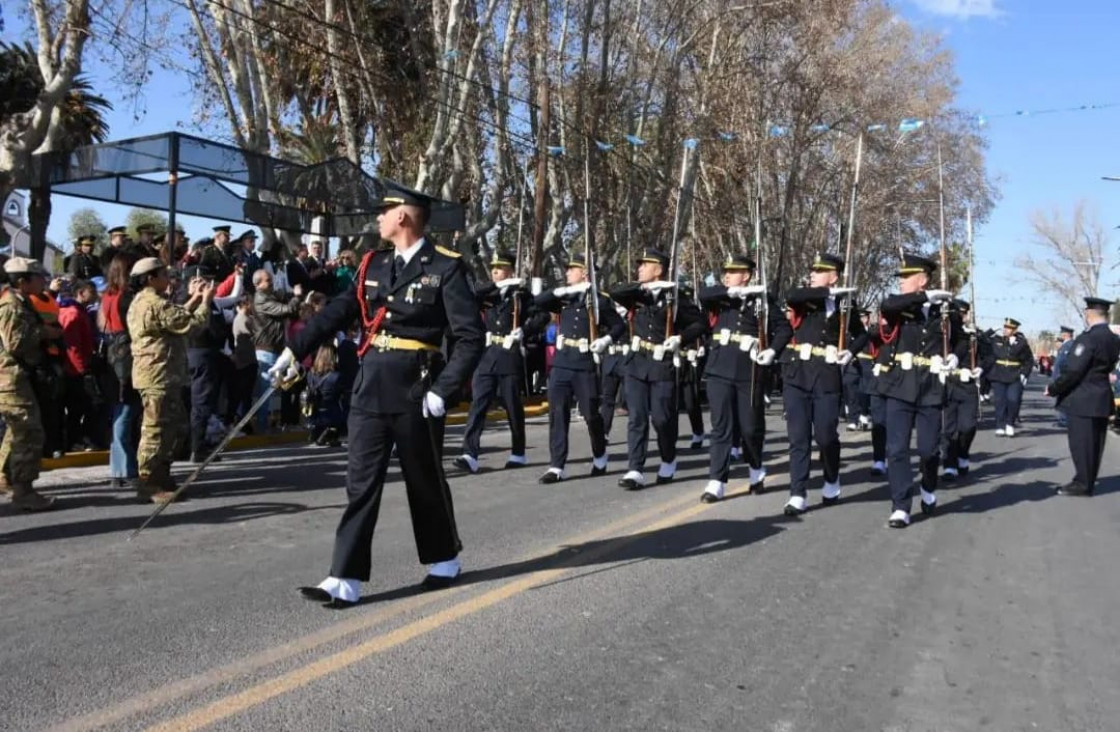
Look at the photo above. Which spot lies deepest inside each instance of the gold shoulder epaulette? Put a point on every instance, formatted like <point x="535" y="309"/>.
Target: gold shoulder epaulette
<point x="447" y="252"/>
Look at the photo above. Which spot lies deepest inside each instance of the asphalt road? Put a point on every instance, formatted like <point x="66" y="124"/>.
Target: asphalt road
<point x="582" y="607"/>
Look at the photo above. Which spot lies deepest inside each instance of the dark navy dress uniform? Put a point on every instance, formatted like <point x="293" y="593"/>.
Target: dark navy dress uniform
<point x="911" y="373"/>
<point x="651" y="383"/>
<point x="573" y="375"/>
<point x="693" y="356"/>
<point x="424" y="299"/>
<point x="811" y="380"/>
<point x="876" y="404"/>
<point x="736" y="384"/>
<point x="962" y="399"/>
<point x="501" y="371"/>
<point x="856" y="403"/>
<point x="613" y="374"/>
<point x="1084" y="393"/>
<point x="1012" y="362"/>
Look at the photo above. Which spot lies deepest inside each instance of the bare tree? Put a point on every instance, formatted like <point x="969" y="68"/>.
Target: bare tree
<point x="1070" y="256"/>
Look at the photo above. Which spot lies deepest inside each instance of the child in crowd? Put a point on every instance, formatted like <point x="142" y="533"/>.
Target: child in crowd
<point x="323" y="399"/>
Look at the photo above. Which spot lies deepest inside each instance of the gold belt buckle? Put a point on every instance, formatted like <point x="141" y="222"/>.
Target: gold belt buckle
<point x="381" y="342"/>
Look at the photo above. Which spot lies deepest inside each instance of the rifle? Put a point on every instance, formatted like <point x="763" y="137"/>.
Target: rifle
<point x="944" y="254"/>
<point x="762" y="308"/>
<point x="671" y="311"/>
<point x="848" y="251"/>
<point x="517" y="258"/>
<point x="593" y="291"/>
<point x="972" y="341"/>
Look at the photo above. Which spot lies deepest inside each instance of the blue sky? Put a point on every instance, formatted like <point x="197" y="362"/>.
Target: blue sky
<point x="1011" y="55"/>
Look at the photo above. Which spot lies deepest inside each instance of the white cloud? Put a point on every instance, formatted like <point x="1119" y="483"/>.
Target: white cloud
<point x="961" y="9"/>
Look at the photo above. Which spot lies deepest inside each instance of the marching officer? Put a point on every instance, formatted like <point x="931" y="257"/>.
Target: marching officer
<point x="1065" y="337"/>
<point x="869" y="394"/>
<point x="579" y="342"/>
<point x="509" y="318"/>
<point x="409" y="297"/>
<point x="1012" y="364"/>
<point x="1084" y="393"/>
<point x="855" y="402"/>
<point x="738" y="369"/>
<point x="22" y="333"/>
<point x="811" y="381"/>
<point x="158" y="328"/>
<point x="913" y="368"/>
<point x="962" y="397"/>
<point x="83" y="264"/>
<point x="613" y="370"/>
<point x="651" y="377"/>
<point x="693" y="358"/>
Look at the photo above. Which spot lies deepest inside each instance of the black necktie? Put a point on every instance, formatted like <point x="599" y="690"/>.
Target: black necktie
<point x="398" y="267"/>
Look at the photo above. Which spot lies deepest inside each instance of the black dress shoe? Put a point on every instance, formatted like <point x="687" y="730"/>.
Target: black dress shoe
<point x="758" y="488"/>
<point x="792" y="510"/>
<point x="897" y="524"/>
<point x="435" y="582"/>
<point x="661" y="480"/>
<point x="596" y="472"/>
<point x="630" y="484"/>
<point x="949" y="477"/>
<point x="549" y="478"/>
<point x="694" y="445"/>
<point x="514" y="464"/>
<point x="1074" y="490"/>
<point x="710" y="498"/>
<point x="830" y="501"/>
<point x="962" y="471"/>
<point x="928" y="508"/>
<point x="318" y="594"/>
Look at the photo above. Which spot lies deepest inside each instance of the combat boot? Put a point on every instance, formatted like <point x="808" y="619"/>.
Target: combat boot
<point x="156" y="487"/>
<point x="25" y="498"/>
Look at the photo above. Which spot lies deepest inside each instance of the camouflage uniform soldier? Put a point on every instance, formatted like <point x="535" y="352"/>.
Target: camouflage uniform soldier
<point x="21" y="335"/>
<point x="159" y="369"/>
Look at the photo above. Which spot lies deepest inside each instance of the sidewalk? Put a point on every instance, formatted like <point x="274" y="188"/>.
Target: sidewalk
<point x="256" y="442"/>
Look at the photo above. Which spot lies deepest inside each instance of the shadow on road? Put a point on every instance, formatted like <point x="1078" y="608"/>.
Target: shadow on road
<point x="1002" y="496"/>
<point x="681" y="541"/>
<point x="212" y="515"/>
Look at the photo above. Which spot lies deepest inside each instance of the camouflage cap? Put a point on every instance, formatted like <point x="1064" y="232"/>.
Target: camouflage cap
<point x="24" y="266"/>
<point x="147" y="265"/>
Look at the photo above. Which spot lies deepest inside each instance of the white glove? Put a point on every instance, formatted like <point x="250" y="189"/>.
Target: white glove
<point x="673" y="343"/>
<point x="433" y="405"/>
<point x="622" y="312"/>
<point x="744" y="291"/>
<point x="765" y="358"/>
<point x="517" y="335"/>
<point x="658" y="286"/>
<point x="952" y="363"/>
<point x="843" y="358"/>
<point x="976" y="372"/>
<point x="510" y="282"/>
<point x="1022" y="380"/>
<point x="837" y="291"/>
<point x="937" y="296"/>
<point x="286" y="368"/>
<point x="601" y="344"/>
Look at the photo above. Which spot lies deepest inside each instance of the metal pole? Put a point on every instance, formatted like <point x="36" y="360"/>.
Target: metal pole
<point x="172" y="195"/>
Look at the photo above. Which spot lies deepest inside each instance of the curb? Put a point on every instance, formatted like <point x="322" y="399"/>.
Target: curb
<point x="254" y="442"/>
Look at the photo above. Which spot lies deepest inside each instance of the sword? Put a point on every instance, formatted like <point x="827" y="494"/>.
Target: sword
<point x="284" y="386"/>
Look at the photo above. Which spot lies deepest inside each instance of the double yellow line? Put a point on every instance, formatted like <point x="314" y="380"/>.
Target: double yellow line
<point x="634" y="526"/>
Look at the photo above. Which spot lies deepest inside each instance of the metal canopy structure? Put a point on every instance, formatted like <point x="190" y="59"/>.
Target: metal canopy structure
<point x="218" y="181"/>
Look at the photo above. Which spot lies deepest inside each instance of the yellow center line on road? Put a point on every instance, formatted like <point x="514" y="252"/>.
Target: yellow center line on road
<point x="258" y="694"/>
<point x="174" y="691"/>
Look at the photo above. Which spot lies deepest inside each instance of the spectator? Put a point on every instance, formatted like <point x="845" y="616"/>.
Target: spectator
<point x="324" y="399"/>
<point x="112" y="320"/>
<point x="48" y="377"/>
<point x="290" y="398"/>
<point x="274" y="258"/>
<point x="81" y="393"/>
<point x="345" y="271"/>
<point x="246" y="256"/>
<point x="244" y="363"/>
<point x="296" y="270"/>
<point x="270" y="316"/>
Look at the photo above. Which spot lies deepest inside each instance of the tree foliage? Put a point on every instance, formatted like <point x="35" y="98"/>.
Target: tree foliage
<point x="87" y="222"/>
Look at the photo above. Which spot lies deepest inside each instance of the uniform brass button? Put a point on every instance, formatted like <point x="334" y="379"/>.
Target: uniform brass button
<point x="388" y="315"/>
<point x="390" y="298"/>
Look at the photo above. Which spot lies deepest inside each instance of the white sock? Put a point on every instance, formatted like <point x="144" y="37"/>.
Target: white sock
<point x="963" y="463"/>
<point x="901" y="515"/>
<point x="558" y="471"/>
<point x="797" y="502"/>
<point x="715" y="488"/>
<point x="879" y="465"/>
<point x="950" y="471"/>
<point x="831" y="490"/>
<point x="518" y="459"/>
<point x="472" y="462"/>
<point x="928" y="498"/>
<point x="449" y="568"/>
<point x="667" y="470"/>
<point x="600" y="462"/>
<point x="349" y="590"/>
<point x="635" y="476"/>
<point x="757" y="475"/>
<point x="698" y="438"/>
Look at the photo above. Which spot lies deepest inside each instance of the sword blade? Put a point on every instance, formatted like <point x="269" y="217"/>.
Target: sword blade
<point x="210" y="458"/>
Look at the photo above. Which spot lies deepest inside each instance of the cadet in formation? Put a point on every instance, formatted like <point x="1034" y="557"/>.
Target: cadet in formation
<point x="409" y="298"/>
<point x="693" y="357"/>
<point x="581" y="340"/>
<point x="509" y="317"/>
<point x="158" y="330"/>
<point x="962" y="397"/>
<point x="612" y="376"/>
<point x="22" y="333"/>
<point x="869" y="392"/>
<point x="748" y="330"/>
<point x="1084" y="393"/>
<point x="662" y="321"/>
<point x="1012" y="363"/>
<point x="918" y="355"/>
<point x="811" y="376"/>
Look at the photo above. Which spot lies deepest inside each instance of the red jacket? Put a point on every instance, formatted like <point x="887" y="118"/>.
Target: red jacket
<point x="77" y="334"/>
